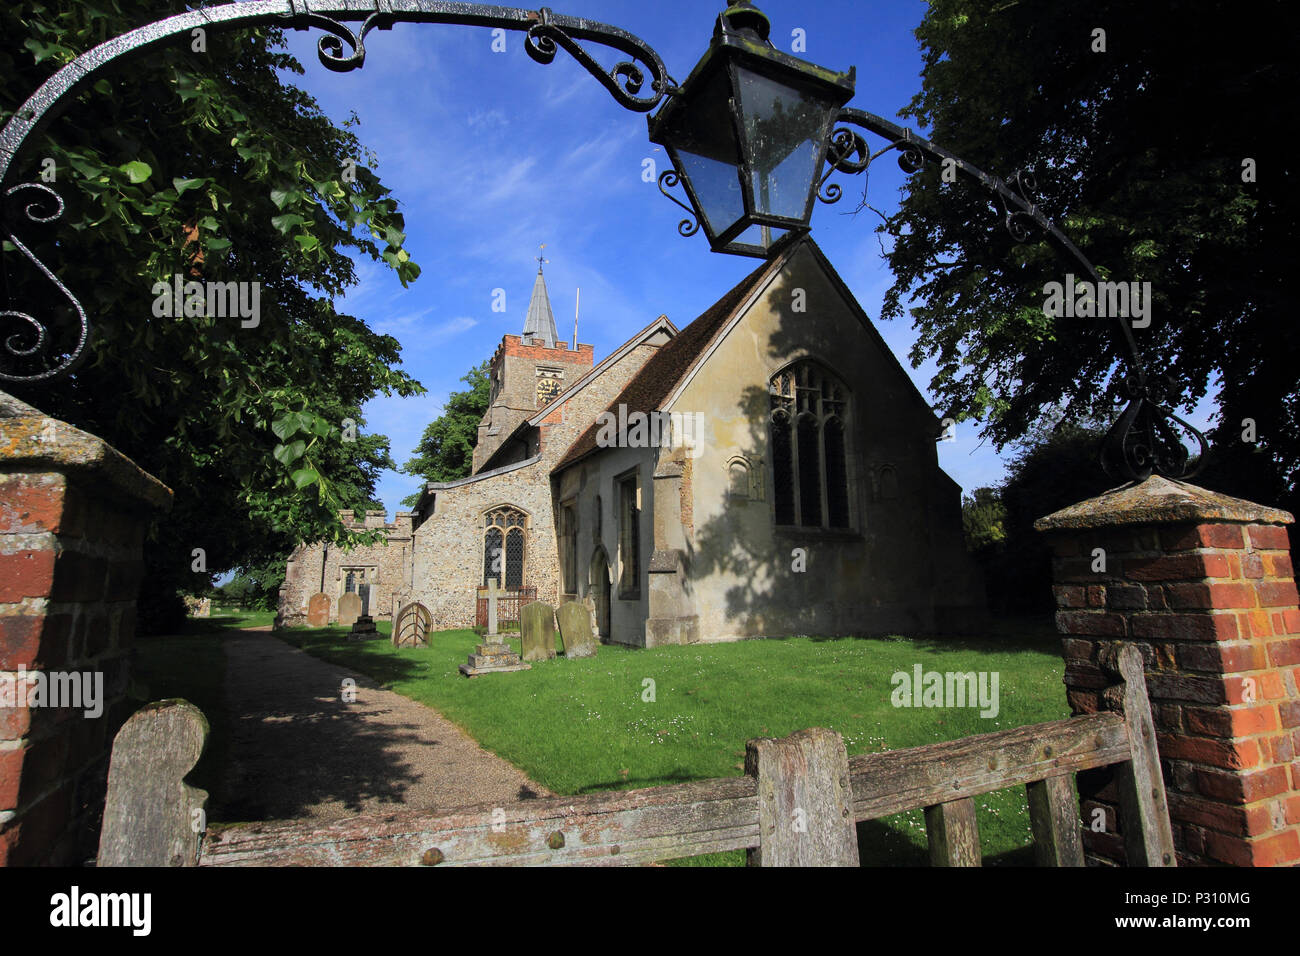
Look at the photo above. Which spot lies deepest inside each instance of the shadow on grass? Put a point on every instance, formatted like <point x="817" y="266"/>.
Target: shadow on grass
<point x="635" y="783"/>
<point x="1037" y="636"/>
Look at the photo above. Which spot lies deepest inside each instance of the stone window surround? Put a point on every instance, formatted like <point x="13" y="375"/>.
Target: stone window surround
<point x="369" y="574"/>
<point x="525" y="530"/>
<point x="621" y="592"/>
<point x="845" y="419"/>
<point x="567" y="539"/>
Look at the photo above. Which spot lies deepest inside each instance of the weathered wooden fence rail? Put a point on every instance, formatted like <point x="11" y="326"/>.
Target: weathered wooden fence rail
<point x="797" y="804"/>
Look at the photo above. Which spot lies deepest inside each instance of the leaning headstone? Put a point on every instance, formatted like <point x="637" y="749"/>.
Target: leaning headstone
<point x="349" y="609"/>
<point x="575" y="630"/>
<point x="537" y="626"/>
<point x="318" y="610"/>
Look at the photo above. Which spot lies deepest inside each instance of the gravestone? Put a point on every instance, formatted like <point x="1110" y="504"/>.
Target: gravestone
<point x="318" y="610"/>
<point x="494" y="654"/>
<point x="537" y="625"/>
<point x="575" y="630"/>
<point x="349" y="608"/>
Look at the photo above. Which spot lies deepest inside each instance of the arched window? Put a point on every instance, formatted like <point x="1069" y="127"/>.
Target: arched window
<point x="809" y="445"/>
<point x="504" y="529"/>
<point x="887" y="483"/>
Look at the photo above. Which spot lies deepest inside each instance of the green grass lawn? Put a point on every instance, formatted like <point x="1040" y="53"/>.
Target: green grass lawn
<point x="587" y="725"/>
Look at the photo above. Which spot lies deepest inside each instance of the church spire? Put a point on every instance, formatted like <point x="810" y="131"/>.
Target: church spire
<point x="539" y="328"/>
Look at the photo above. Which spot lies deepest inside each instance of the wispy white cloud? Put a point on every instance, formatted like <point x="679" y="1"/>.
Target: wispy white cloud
<point x="491" y="154"/>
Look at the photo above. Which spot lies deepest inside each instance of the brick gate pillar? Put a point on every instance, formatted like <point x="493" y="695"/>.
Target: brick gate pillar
<point x="73" y="514"/>
<point x="1203" y="584"/>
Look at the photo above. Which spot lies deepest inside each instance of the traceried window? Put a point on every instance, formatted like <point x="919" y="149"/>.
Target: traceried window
<point x="809" y="445"/>
<point x="629" y="539"/>
<point x="504" y="530"/>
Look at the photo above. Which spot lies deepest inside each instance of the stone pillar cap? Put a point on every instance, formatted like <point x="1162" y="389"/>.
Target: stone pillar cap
<point x="1159" y="501"/>
<point x="31" y="441"/>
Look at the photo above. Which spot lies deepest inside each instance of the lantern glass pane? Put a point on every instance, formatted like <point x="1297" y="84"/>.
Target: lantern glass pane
<point x="717" y="186"/>
<point x="760" y="237"/>
<point x="783" y="128"/>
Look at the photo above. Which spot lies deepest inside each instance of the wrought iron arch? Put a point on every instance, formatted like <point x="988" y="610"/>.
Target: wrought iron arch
<point x="342" y="49"/>
<point x="1142" y="441"/>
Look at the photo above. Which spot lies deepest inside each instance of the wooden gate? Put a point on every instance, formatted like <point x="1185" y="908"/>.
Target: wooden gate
<point x="149" y="812"/>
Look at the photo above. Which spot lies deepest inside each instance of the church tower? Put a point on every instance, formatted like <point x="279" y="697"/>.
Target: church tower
<point x="527" y="371"/>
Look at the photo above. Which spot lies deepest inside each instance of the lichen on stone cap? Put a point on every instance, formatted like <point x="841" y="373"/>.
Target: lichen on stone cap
<point x="1159" y="500"/>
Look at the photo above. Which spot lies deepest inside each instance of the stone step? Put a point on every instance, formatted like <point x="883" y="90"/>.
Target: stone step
<point x="493" y="660"/>
<point x="469" y="670"/>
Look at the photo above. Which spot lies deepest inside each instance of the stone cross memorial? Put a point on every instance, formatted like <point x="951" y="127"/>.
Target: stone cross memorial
<point x="575" y="630"/>
<point x="537" y="625"/>
<point x="494" y="654"/>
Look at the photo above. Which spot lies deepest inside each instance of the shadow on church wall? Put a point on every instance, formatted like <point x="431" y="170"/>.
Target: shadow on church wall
<point x="882" y="577"/>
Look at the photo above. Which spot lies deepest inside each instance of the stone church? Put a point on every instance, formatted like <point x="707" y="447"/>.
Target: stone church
<point x="767" y="470"/>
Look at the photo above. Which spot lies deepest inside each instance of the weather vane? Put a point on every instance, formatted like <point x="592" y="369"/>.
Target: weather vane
<point x="540" y="260"/>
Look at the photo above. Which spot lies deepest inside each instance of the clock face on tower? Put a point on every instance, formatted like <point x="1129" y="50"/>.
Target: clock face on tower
<point x="549" y="384"/>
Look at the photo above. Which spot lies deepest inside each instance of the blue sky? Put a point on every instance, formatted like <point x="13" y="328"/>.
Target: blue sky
<point x="491" y="154"/>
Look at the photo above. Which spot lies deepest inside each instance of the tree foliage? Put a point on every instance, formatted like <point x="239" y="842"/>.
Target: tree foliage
<point x="983" y="519"/>
<point x="1139" y="152"/>
<point x="446" y="449"/>
<point x="205" y="164"/>
<point x="1055" y="466"/>
<point x="256" y="587"/>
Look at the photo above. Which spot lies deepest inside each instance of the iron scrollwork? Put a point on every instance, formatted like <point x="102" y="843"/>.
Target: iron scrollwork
<point x="623" y="81"/>
<point x="28" y="352"/>
<point x="689" y="226"/>
<point x="1144" y="439"/>
<point x="330" y="48"/>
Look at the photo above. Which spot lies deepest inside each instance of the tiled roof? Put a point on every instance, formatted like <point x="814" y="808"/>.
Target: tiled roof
<point x="668" y="366"/>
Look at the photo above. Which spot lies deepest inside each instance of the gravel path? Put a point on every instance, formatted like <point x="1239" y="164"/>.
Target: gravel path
<point x="298" y="751"/>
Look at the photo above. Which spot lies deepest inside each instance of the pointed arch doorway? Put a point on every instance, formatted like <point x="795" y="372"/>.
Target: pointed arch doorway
<point x="599" y="587"/>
